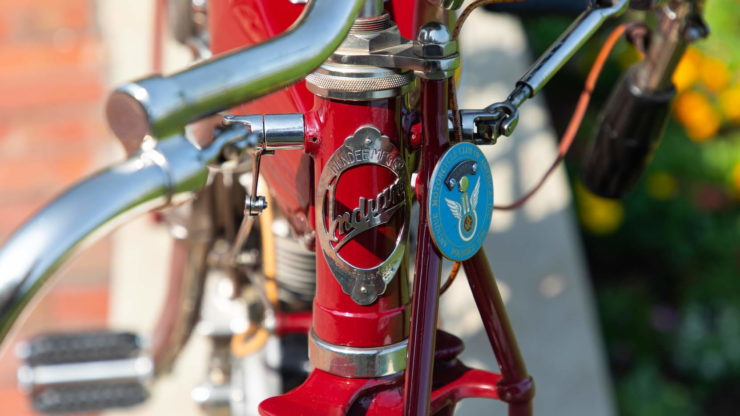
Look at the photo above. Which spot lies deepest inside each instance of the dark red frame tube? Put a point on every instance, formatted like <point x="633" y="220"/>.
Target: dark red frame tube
<point x="425" y="302"/>
<point x="517" y="386"/>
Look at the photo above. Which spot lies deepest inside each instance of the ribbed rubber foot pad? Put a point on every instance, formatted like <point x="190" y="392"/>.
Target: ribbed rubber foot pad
<point x="78" y="399"/>
<point x="81" y="347"/>
<point x="84" y="372"/>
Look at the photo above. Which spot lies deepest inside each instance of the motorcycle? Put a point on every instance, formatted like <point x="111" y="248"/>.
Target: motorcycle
<point x="293" y="153"/>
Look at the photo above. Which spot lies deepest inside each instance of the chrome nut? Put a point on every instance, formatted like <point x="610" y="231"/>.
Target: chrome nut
<point x="371" y="42"/>
<point x="435" y="50"/>
<point x="434" y="41"/>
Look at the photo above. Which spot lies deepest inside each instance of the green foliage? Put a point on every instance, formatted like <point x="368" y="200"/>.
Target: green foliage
<point x="668" y="279"/>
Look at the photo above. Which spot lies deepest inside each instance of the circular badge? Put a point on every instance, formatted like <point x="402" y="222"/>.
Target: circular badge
<point x="460" y="201"/>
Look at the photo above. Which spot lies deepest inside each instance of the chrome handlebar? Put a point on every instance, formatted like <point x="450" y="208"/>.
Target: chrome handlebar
<point x="568" y="44"/>
<point x="169" y="172"/>
<point x="162" y="106"/>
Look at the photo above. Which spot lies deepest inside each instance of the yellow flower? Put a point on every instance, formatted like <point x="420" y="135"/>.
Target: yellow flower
<point x="696" y="113"/>
<point x="599" y="215"/>
<point x="729" y="100"/>
<point x="714" y="74"/>
<point x="661" y="185"/>
<point x="687" y="70"/>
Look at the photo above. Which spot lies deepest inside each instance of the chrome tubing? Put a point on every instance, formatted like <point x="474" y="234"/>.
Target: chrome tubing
<point x="569" y="43"/>
<point x="137" y="370"/>
<point x="162" y="105"/>
<point x="372" y="8"/>
<point x="675" y="29"/>
<point x="171" y="171"/>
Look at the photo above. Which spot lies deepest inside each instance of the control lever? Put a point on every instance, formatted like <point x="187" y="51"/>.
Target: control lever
<point x="485" y="126"/>
<point x="268" y="133"/>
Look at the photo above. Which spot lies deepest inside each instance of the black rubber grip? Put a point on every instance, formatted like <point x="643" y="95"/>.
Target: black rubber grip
<point x="630" y="130"/>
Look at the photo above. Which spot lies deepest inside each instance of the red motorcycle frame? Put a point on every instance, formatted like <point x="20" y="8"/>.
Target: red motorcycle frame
<point x="337" y="319"/>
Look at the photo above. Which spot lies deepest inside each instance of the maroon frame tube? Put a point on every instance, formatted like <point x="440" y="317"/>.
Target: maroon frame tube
<point x="420" y="367"/>
<point x="517" y="386"/>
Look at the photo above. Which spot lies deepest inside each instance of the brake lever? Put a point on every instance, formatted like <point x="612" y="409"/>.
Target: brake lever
<point x="485" y="126"/>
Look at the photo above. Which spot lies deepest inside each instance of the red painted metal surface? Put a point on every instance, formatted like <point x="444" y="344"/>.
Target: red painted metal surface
<point x="516" y="387"/>
<point x="238" y="23"/>
<point x="292" y="323"/>
<point x="428" y="260"/>
<point x="337" y="318"/>
<point x="325" y="394"/>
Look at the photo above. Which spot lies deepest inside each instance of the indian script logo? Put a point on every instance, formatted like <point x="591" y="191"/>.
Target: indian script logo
<point x="366" y="147"/>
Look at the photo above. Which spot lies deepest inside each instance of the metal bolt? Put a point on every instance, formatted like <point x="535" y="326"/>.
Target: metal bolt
<point x="255" y="205"/>
<point x="434" y="41"/>
<point x="509" y="125"/>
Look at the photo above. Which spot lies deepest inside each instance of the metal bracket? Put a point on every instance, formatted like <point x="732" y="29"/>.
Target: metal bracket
<point x="498" y="119"/>
<point x="403" y="57"/>
<point x="269" y="133"/>
<point x="433" y="56"/>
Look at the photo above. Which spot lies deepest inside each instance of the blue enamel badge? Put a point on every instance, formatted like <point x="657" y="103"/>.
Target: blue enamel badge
<point x="460" y="201"/>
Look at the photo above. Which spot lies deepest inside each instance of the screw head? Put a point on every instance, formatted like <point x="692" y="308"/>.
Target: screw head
<point x="255" y="205"/>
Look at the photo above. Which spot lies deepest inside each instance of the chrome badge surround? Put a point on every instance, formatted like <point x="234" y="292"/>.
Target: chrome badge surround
<point x="367" y="146"/>
<point x="460" y="203"/>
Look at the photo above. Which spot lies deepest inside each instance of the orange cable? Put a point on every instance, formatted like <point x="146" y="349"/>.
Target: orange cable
<point x="576" y="118"/>
<point x="570" y="132"/>
<point x="452" y="103"/>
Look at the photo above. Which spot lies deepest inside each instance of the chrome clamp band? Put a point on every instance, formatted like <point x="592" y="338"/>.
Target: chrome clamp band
<point x="356" y="362"/>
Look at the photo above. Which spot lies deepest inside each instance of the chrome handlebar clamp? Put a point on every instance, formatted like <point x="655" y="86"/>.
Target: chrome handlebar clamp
<point x="434" y="55"/>
<point x="268" y="133"/>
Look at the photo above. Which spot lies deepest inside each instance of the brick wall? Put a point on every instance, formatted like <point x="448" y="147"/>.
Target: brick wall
<point x="52" y="133"/>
